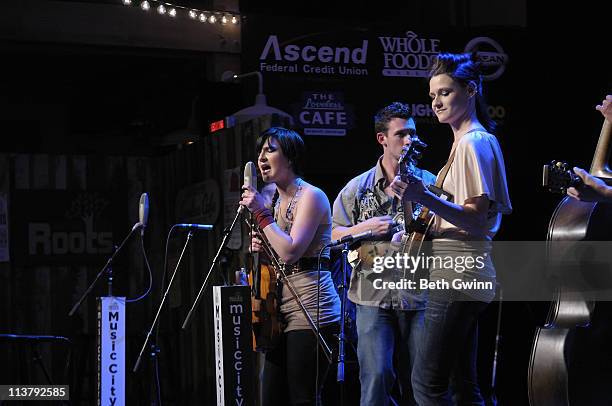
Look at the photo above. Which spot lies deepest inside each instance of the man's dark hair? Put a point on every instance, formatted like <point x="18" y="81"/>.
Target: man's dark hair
<point x="386" y="114"/>
<point x="290" y="143"/>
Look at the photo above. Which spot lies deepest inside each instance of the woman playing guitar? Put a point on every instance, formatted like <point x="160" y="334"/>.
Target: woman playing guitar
<point x="475" y="177"/>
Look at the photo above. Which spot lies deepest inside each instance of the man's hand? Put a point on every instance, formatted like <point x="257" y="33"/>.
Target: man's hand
<point x="594" y="189"/>
<point x="606" y="108"/>
<point x="380" y="225"/>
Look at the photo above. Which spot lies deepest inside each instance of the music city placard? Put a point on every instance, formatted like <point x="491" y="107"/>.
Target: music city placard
<point x="111" y="351"/>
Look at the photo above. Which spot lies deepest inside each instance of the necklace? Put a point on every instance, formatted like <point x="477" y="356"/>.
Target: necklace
<point x="290" y="207"/>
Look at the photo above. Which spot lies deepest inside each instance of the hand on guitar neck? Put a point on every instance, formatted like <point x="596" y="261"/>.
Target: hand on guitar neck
<point x="592" y="188"/>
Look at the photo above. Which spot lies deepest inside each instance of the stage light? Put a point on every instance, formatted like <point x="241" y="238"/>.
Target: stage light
<point x="161" y="9"/>
<point x="193" y="14"/>
<point x="145" y="5"/>
<point x="212" y="19"/>
<point x="202" y="17"/>
<point x="172" y="12"/>
<point x="234" y="20"/>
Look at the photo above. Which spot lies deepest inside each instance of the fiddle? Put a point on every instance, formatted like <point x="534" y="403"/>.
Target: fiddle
<point x="267" y="327"/>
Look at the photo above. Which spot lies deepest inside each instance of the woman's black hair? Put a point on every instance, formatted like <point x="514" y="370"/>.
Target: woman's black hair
<point x="290" y="143"/>
<point x="465" y="69"/>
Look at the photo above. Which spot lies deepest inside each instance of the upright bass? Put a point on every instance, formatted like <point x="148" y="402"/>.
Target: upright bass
<point x="566" y="338"/>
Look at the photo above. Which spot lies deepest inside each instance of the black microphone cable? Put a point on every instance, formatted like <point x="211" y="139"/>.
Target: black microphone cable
<point x="144" y="254"/>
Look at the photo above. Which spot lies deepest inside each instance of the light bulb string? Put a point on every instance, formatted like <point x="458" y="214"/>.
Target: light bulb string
<point x="211" y="16"/>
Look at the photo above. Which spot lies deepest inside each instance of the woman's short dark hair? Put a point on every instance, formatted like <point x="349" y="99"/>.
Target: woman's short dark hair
<point x="290" y="143"/>
<point x="465" y="68"/>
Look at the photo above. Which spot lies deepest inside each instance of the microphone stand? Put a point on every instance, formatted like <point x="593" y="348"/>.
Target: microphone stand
<point x="107" y="265"/>
<point x="341" y="335"/>
<point x="227" y="233"/>
<point x="161" y="305"/>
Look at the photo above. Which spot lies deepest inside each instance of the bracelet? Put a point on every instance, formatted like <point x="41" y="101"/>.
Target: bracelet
<point x="263" y="217"/>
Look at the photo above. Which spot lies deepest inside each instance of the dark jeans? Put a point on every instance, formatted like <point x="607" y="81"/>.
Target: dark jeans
<point x="290" y="369"/>
<point x="385" y="336"/>
<point x="446" y="356"/>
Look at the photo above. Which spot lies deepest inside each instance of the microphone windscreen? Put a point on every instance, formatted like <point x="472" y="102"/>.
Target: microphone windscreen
<point x="250" y="174"/>
<point x="143" y="209"/>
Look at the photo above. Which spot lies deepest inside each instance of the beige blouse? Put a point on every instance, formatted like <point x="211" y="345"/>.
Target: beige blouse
<point x="477" y="170"/>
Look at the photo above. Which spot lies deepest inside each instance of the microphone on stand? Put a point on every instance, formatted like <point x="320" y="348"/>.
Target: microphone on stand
<point x="143" y="212"/>
<point x="351" y="238"/>
<point x="250" y="179"/>
<point x="250" y="174"/>
<point x="205" y="227"/>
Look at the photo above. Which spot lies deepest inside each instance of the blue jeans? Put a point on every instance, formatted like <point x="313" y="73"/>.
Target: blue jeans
<point x="446" y="357"/>
<point x="382" y="335"/>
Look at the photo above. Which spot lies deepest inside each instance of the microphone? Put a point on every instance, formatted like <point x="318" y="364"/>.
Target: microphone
<point x="206" y="227"/>
<point x="250" y="179"/>
<point x="350" y="238"/>
<point x="250" y="174"/>
<point x="143" y="212"/>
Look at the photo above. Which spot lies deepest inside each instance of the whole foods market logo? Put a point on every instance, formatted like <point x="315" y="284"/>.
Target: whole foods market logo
<point x="409" y="56"/>
<point x="491" y="55"/>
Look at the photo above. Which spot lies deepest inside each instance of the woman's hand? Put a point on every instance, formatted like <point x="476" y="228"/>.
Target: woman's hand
<point x="412" y="191"/>
<point x="252" y="199"/>
<point x="255" y="244"/>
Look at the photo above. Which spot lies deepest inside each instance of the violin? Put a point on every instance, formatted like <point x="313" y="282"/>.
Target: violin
<point x="267" y="327"/>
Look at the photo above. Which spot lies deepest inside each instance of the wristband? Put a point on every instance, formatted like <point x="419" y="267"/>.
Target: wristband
<point x="263" y="217"/>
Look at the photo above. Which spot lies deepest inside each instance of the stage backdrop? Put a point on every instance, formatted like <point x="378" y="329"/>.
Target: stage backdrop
<point x="332" y="78"/>
<point x="64" y="214"/>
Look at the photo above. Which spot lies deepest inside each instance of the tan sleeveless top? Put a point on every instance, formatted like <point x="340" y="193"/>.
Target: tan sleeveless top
<point x="306" y="283"/>
<point x="285" y="222"/>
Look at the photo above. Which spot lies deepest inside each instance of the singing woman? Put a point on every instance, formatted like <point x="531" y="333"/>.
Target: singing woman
<point x="297" y="226"/>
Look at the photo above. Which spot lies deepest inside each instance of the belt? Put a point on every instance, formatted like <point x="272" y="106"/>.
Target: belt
<point x="307" y="264"/>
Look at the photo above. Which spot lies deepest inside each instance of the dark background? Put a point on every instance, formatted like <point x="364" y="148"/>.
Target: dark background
<point x="103" y="101"/>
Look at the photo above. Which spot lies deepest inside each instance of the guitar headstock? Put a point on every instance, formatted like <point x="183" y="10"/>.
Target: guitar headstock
<point x="558" y="176"/>
<point x="410" y="156"/>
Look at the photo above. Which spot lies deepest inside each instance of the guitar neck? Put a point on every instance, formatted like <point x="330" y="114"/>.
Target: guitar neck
<point x="600" y="167"/>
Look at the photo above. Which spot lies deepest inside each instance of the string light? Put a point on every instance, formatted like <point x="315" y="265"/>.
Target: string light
<point x="175" y="10"/>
